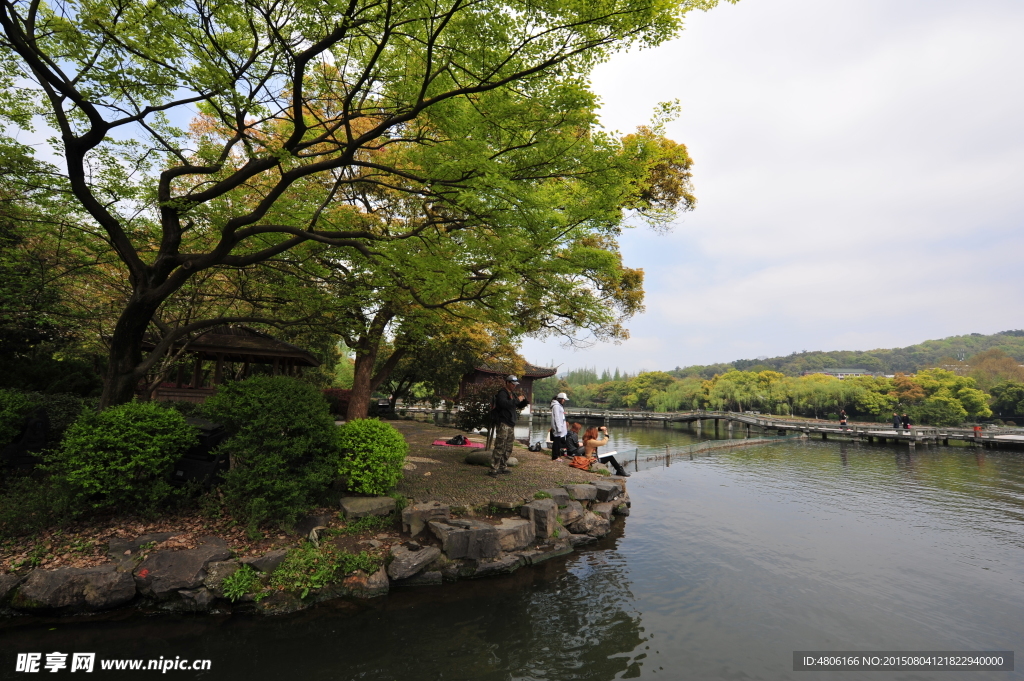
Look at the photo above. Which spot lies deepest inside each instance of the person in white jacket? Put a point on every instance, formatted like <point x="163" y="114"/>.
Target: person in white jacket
<point x="558" y="428"/>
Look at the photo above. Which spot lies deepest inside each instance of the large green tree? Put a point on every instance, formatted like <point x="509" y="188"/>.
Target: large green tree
<point x="305" y="98"/>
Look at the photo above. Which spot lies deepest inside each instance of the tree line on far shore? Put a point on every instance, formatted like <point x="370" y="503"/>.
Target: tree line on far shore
<point x="954" y="392"/>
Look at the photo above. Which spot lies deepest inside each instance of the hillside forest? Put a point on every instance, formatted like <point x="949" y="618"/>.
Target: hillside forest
<point x="935" y="383"/>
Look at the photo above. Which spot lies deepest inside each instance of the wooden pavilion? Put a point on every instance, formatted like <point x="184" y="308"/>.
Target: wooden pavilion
<point x="531" y="373"/>
<point x="229" y="353"/>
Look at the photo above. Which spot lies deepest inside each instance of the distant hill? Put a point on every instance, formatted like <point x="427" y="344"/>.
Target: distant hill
<point x="907" y="360"/>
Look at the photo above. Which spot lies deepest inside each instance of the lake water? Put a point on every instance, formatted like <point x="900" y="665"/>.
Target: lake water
<point x="729" y="563"/>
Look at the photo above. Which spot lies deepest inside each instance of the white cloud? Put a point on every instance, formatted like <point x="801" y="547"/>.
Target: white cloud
<point x="860" y="176"/>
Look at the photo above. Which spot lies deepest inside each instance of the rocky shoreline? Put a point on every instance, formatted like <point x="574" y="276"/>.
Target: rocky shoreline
<point x="438" y="544"/>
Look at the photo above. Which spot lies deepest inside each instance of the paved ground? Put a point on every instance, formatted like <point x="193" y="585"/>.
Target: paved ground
<point x="442" y="474"/>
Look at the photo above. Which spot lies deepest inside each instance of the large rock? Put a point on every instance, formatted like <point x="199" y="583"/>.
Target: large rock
<point x="558" y="495"/>
<point x="582" y="492"/>
<point x="604" y="509"/>
<point x="432" y="578"/>
<point x="571" y="512"/>
<point x="500" y="566"/>
<point x="416" y="516"/>
<point x="165" y="572"/>
<point x="591" y="524"/>
<point x="606" y="491"/>
<point x="362" y="585"/>
<point x="7" y="586"/>
<point x="125" y="551"/>
<point x="467" y="539"/>
<point x="196" y="600"/>
<point x="579" y="539"/>
<point x="268" y="562"/>
<point x="216" y="573"/>
<point x="406" y="562"/>
<point x="68" y="590"/>
<point x="361" y="507"/>
<point x="622" y="508"/>
<point x="543" y="514"/>
<point x="484" y="459"/>
<point x="311" y="522"/>
<point x="559" y="548"/>
<point x="515" y="533"/>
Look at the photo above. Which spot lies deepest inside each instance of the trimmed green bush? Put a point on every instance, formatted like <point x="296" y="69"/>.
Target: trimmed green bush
<point x="372" y="455"/>
<point x="121" y="458"/>
<point x="283" y="447"/>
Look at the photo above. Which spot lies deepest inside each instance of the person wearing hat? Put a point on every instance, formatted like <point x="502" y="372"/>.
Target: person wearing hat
<point x="507" y="404"/>
<point x="558" y="428"/>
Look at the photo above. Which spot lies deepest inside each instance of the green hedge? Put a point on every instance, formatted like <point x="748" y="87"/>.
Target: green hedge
<point x="14" y="407"/>
<point x="121" y="458"/>
<point x="372" y="455"/>
<point x="283" y="447"/>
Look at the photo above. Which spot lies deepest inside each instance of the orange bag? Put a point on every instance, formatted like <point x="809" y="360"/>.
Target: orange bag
<point x="581" y="462"/>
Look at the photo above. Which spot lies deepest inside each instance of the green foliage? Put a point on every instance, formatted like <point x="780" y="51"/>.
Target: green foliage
<point x="29" y="504"/>
<point x="14" y="407"/>
<point x="1008" y="398"/>
<point x="370" y="523"/>
<point x="541" y="495"/>
<point x="283" y="447"/>
<point x="372" y="455"/>
<point x="475" y="405"/>
<point x="311" y="567"/>
<point x="603" y="471"/>
<point x="244" y="580"/>
<point x="121" y="458"/>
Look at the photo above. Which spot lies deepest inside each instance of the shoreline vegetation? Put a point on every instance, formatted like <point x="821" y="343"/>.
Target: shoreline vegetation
<point x="445" y="521"/>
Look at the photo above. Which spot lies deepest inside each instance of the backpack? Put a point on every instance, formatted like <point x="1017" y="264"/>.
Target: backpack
<point x="457" y="440"/>
<point x="536" y="447"/>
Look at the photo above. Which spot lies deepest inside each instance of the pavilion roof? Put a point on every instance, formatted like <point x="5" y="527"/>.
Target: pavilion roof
<point x="529" y="371"/>
<point x="238" y="343"/>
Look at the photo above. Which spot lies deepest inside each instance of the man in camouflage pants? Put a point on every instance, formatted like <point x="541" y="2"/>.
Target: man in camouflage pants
<point x="507" y="404"/>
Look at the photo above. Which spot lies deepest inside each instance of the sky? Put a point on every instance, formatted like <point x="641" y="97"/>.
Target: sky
<point x="859" y="170"/>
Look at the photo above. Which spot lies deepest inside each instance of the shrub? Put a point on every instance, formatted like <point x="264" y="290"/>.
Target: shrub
<point x="372" y="455"/>
<point x="29" y="505"/>
<point x="121" y="457"/>
<point x="475" y="405"/>
<point x="283" y="447"/>
<point x="62" y="410"/>
<point x="14" y="407"/>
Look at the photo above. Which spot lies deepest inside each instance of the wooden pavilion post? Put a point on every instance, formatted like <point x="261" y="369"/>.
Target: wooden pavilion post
<point x="197" y="371"/>
<point x="218" y="372"/>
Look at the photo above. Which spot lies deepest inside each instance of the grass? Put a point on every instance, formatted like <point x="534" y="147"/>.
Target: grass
<point x="309" y="567"/>
<point x="367" y="524"/>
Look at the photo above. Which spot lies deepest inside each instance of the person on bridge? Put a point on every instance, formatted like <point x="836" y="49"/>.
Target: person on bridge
<point x="897" y="422"/>
<point x="558" y="429"/>
<point x="905" y="420"/>
<point x="842" y="418"/>
<point x="590" y="445"/>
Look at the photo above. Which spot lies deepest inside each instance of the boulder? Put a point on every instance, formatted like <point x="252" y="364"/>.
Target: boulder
<point x="558" y="495"/>
<point x="406" y="562"/>
<point x="165" y="572"/>
<point x="7" y="586"/>
<point x="535" y="556"/>
<point x="625" y="500"/>
<point x="622" y="508"/>
<point x="571" y="512"/>
<point x="432" y="578"/>
<point x="579" y="539"/>
<point x="603" y="509"/>
<point x="606" y="491"/>
<point x="483" y="458"/>
<point x="216" y="573"/>
<point x="362" y="585"/>
<point x="416" y="516"/>
<point x="515" y="533"/>
<point x="268" y="562"/>
<point x="582" y="492"/>
<point x="68" y="590"/>
<point x="196" y="600"/>
<point x="125" y="551"/>
<point x="591" y="524"/>
<point x="361" y="507"/>
<point x="467" y="539"/>
<point x="543" y="514"/>
<point x="499" y="566"/>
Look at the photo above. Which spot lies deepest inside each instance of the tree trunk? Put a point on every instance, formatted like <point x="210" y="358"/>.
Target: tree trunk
<point x="359" y="399"/>
<point x="125" y="354"/>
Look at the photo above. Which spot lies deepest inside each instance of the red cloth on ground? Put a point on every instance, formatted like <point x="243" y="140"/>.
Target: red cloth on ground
<point x="442" y="443"/>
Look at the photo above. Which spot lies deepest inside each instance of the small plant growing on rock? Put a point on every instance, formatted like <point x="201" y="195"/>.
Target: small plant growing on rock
<point x="372" y="455"/>
<point x="541" y="495"/>
<point x="311" y="567"/>
<point x="244" y="580"/>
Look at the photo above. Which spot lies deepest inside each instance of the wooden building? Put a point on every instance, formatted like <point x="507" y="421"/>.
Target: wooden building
<point x="229" y="353"/>
<point x="484" y="374"/>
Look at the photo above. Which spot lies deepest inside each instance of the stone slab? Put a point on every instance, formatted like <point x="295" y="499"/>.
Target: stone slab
<point x="362" y="585"/>
<point x="603" y="509"/>
<point x="416" y="516"/>
<point x="124" y="551"/>
<point x="69" y="590"/>
<point x="431" y="578"/>
<point x="537" y="556"/>
<point x="501" y="566"/>
<point x="165" y="572"/>
<point x="217" y="572"/>
<point x="465" y="538"/>
<point x="559" y="495"/>
<point x="268" y="562"/>
<point x="361" y="507"/>
<point x="580" y="539"/>
<point x="406" y="562"/>
<point x="543" y="513"/>
<point x="7" y="585"/>
<point x="607" y="491"/>
<point x="515" y="533"/>
<point x="582" y="492"/>
<point x="571" y="512"/>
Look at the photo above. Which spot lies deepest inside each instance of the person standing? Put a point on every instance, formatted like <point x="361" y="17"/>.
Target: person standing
<point x="897" y="422"/>
<point x="842" y="418"/>
<point x="558" y="428"/>
<point x="507" y="404"/>
<point x="905" y="420"/>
